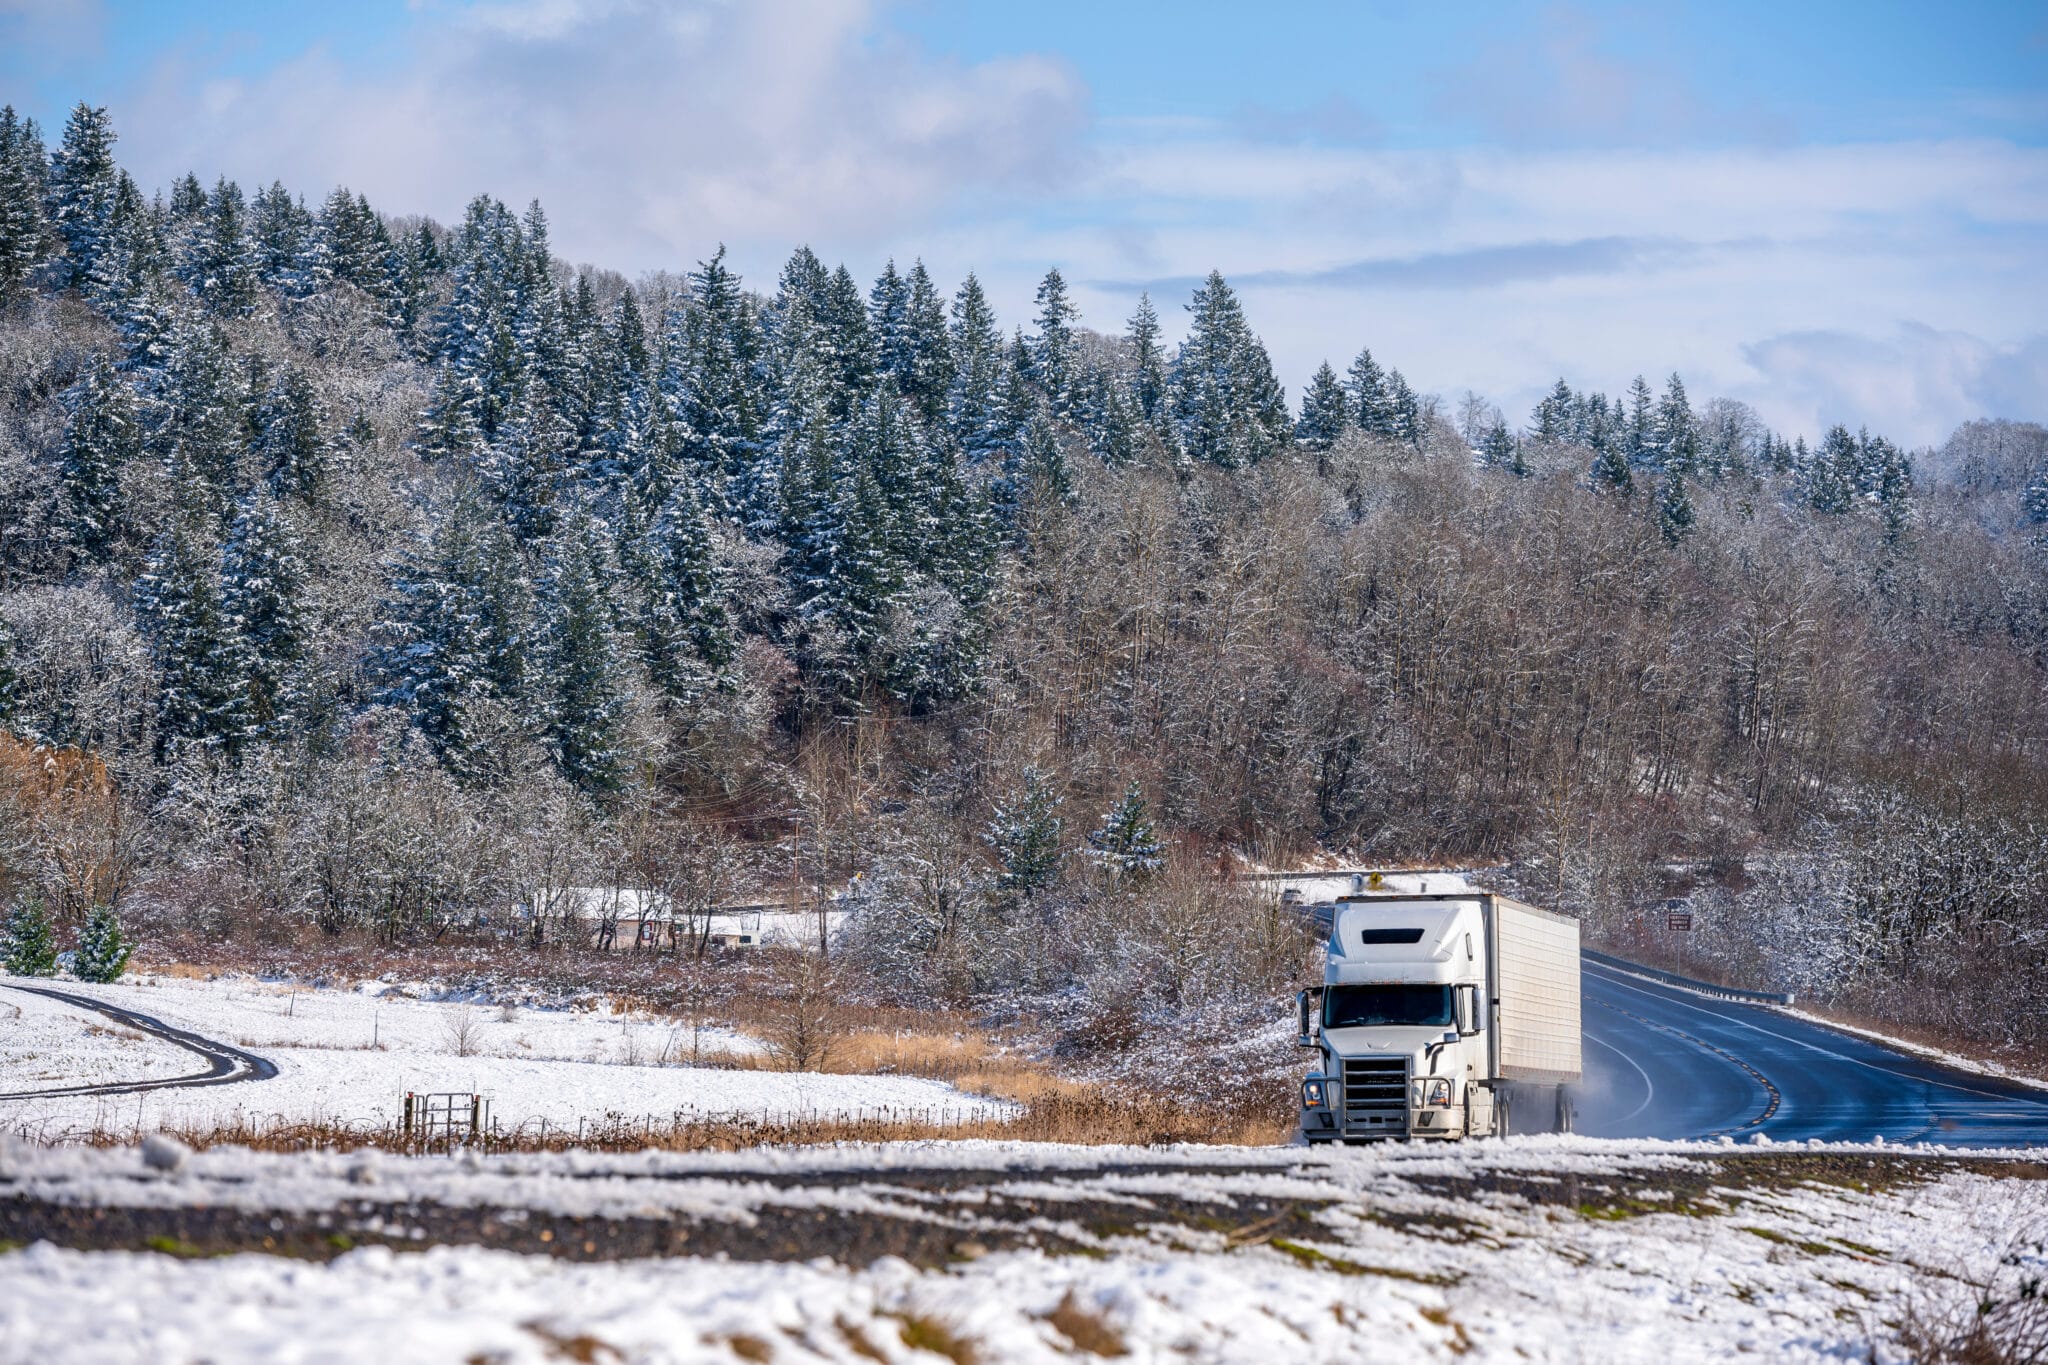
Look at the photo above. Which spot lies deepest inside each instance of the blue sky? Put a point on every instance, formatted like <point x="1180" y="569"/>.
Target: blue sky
<point x="1834" y="212"/>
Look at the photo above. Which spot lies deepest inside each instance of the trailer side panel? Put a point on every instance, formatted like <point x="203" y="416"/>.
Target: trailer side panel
<point x="1537" y="966"/>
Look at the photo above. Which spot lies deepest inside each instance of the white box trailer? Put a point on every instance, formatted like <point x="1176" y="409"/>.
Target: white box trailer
<point x="1446" y="1011"/>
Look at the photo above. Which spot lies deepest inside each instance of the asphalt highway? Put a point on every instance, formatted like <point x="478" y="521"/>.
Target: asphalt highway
<point x="1665" y="1062"/>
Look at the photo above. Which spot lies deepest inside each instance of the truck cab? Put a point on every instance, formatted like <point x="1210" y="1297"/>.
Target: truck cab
<point x="1446" y="1011"/>
<point x="1400" y="1023"/>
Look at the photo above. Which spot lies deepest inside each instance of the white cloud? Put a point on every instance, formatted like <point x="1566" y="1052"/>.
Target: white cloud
<point x="650" y="131"/>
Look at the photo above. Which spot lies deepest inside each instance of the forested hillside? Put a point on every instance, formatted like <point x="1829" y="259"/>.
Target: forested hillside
<point x="399" y="572"/>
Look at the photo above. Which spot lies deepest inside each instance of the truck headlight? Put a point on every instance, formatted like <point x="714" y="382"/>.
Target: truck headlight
<point x="1312" y="1093"/>
<point x="1433" y="1092"/>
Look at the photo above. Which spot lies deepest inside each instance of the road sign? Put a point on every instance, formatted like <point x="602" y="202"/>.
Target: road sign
<point x="1678" y="920"/>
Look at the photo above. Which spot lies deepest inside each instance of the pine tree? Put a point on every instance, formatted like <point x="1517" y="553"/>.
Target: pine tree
<point x="1046" y="472"/>
<point x="30" y="940"/>
<point x="1325" y="411"/>
<point x="1827" y="476"/>
<point x="103" y="950"/>
<point x="977" y="349"/>
<point x="216" y="257"/>
<point x="1055" y="362"/>
<point x="1675" y="514"/>
<point x="289" y="440"/>
<point x="1115" y="434"/>
<point x="201" y="700"/>
<point x="1405" y="409"/>
<point x="82" y="184"/>
<point x="1675" y="436"/>
<point x="889" y="321"/>
<point x="578" y="659"/>
<point x="24" y="231"/>
<point x="1371" y="401"/>
<point x="1554" y="414"/>
<point x="262" y="586"/>
<point x="1124" y="846"/>
<point x="454" y="637"/>
<point x="1025" y="835"/>
<point x="1638" y="433"/>
<point x="713" y="381"/>
<point x="929" y="379"/>
<point x="281" y="233"/>
<point x="1225" y="406"/>
<point x="1497" y="450"/>
<point x="197" y="429"/>
<point x="1610" y="464"/>
<point x="101" y="437"/>
<point x="684" y="631"/>
<point x="1148" y="360"/>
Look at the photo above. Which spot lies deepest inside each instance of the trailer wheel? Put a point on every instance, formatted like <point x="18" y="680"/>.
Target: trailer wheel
<point x="1501" y="1107"/>
<point x="1564" y="1110"/>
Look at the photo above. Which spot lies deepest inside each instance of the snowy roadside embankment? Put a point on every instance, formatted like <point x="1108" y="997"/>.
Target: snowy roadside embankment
<point x="1543" y="1249"/>
<point x="349" y="1056"/>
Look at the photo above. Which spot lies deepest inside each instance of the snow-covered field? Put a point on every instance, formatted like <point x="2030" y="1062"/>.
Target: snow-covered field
<point x="1396" y="1268"/>
<point x="350" y="1056"/>
<point x="45" y="1043"/>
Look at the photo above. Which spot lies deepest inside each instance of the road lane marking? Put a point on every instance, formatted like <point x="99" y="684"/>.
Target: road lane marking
<point x="1616" y="980"/>
<point x="1772" y="1097"/>
<point x="1649" y="1087"/>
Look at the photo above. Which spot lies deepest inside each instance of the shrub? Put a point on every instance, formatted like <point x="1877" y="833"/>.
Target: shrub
<point x="103" y="950"/>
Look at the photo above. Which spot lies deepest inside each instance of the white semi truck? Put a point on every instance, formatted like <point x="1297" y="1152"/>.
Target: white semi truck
<point x="1446" y="1011"/>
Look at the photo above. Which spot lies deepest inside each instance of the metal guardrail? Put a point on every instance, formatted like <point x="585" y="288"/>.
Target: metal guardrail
<point x="1622" y="964"/>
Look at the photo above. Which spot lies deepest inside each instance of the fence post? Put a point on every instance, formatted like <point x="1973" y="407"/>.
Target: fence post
<point x="476" y="1116"/>
<point x="408" y="1116"/>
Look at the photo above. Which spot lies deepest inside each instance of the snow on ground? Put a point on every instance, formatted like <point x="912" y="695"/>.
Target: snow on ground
<point x="350" y="1056"/>
<point x="46" y="1043"/>
<point x="1799" y="1272"/>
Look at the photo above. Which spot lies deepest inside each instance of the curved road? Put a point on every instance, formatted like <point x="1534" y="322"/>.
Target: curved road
<point x="225" y="1064"/>
<point x="1665" y="1062"/>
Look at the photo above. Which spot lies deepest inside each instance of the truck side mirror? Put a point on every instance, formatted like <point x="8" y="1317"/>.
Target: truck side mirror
<point x="1301" y="1002"/>
<point x="1466" y="1002"/>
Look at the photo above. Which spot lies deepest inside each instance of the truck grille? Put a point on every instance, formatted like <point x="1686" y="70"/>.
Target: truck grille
<point x="1376" y="1095"/>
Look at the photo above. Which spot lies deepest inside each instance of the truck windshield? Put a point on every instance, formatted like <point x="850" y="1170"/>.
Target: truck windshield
<point x="1353" y="1006"/>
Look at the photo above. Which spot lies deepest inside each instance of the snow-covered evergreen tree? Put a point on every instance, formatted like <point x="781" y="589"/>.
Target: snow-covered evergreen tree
<point x="1675" y="437"/>
<point x="1055" y="361"/>
<point x="103" y="949"/>
<point x="82" y="184"/>
<point x="1554" y="414"/>
<point x="1124" y="846"/>
<point x="1675" y="514"/>
<point x="1325" y="411"/>
<point x="1025" y="836"/>
<point x="1372" y="403"/>
<point x="29" y="945"/>
<point x="1639" y="426"/>
<point x="455" y="634"/>
<point x="578" y="665"/>
<point x="101" y="437"/>
<point x="263" y="579"/>
<point x="200" y="664"/>
<point x="289" y="439"/>
<point x="928" y="380"/>
<point x="978" y="370"/>
<point x="1148" y="360"/>
<point x="1225" y="405"/>
<point x="24" y="231"/>
<point x="684" y="630"/>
